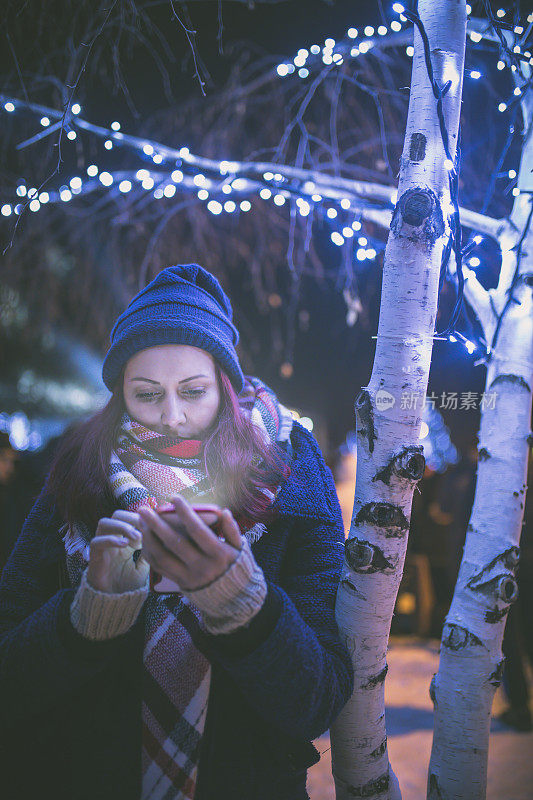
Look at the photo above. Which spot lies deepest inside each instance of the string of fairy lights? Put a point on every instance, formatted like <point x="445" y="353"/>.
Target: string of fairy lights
<point x="231" y="187"/>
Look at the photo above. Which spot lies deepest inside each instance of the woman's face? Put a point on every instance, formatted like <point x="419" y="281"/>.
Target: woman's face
<point x="172" y="389"/>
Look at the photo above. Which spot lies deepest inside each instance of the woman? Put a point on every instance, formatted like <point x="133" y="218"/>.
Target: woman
<point x="110" y="691"/>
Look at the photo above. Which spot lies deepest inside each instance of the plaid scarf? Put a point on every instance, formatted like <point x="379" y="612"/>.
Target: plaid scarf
<point x="146" y="468"/>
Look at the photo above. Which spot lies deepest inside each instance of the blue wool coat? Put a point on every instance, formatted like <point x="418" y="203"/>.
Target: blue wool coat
<point x="71" y="707"/>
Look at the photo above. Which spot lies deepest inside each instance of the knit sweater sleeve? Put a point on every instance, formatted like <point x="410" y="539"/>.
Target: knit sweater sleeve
<point x="43" y="658"/>
<point x="227" y="603"/>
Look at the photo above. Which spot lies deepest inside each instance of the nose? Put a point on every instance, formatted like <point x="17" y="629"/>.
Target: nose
<point x="172" y="413"/>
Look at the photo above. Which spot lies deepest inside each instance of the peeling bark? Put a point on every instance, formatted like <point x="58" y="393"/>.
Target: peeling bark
<point x="390" y="459"/>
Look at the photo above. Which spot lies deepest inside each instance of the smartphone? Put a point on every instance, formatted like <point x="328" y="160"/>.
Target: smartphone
<point x="210" y="515"/>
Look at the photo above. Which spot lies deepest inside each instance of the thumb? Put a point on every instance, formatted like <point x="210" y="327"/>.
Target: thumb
<point x="229" y="529"/>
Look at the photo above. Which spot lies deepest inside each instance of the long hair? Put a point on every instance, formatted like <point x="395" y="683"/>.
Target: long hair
<point x="238" y="461"/>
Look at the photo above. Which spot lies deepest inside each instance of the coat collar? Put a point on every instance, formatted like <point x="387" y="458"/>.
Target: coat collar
<point x="307" y="492"/>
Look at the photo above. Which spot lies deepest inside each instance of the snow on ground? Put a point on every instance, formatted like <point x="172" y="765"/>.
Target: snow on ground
<point x="409" y="714"/>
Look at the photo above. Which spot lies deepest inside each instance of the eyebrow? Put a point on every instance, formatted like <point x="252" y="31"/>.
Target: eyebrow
<point x="185" y="380"/>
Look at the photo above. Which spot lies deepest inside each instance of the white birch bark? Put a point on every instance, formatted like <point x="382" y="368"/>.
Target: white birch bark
<point x="389" y="457"/>
<point x="471" y="660"/>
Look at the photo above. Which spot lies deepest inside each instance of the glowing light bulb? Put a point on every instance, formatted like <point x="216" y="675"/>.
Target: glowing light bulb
<point x="345" y="203"/>
<point x="475" y="36"/>
<point x="448" y="164"/>
<point x="106" y="178"/>
<point x="502" y="107"/>
<point x="474" y="261"/>
<point x="169" y="190"/>
<point x="147" y="183"/>
<point x="337" y="239"/>
<point x="124" y="186"/>
<point x="108" y="144"/>
<point x="45" y="122"/>
<point x="92" y="170"/>
<point x="265" y="194"/>
<point x="158" y="194"/>
<point x="214" y="207"/>
<point x="398" y="8"/>
<point x="35" y="205"/>
<point x="245" y="205"/>
<point x="229" y="206"/>
<point x="356" y="225"/>
<point x="71" y="135"/>
<point x="44" y="197"/>
<point x="6" y="210"/>
<point x="157" y="158"/>
<point x="115" y="126"/>
<point x="500" y="65"/>
<point x="331" y="213"/>
<point x="203" y="194"/>
<point x="177" y="176"/>
<point x="512" y="173"/>
<point x="410" y="51"/>
<point x="352" y="33"/>
<point x="279" y="199"/>
<point x="500" y="12"/>
<point x="282" y="70"/>
<point x="475" y="74"/>
<point x="382" y="30"/>
<point x="76" y="108"/>
<point x="9" y="107"/>
<point x="65" y="195"/>
<point x="148" y="149"/>
<point x="396" y="26"/>
<point x="347" y="232"/>
<point x="369" y="30"/>
<point x="303" y="72"/>
<point x="75" y="183"/>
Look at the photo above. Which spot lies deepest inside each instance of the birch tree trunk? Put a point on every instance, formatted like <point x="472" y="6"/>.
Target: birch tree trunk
<point x="390" y="459"/>
<point x="471" y="660"/>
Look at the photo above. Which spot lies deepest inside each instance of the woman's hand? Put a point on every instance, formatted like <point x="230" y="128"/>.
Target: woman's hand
<point x="181" y="547"/>
<point x="111" y="564"/>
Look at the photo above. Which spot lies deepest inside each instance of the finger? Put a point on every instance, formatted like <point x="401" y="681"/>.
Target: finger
<point x="100" y="543"/>
<point x="132" y="517"/>
<point x="229" y="529"/>
<point x="120" y="528"/>
<point x="173" y="543"/>
<point x="199" y="532"/>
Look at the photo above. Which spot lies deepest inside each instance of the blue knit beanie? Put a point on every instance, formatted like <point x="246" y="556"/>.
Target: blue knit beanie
<point x="182" y="305"/>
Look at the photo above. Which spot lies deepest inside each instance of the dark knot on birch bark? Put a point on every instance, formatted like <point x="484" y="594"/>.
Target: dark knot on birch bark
<point x="507" y="589"/>
<point x="365" y="417"/>
<point x="409" y="464"/>
<point x="419" y="209"/>
<point x="455" y="637"/>
<point x="362" y="556"/>
<point x="387" y="516"/>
